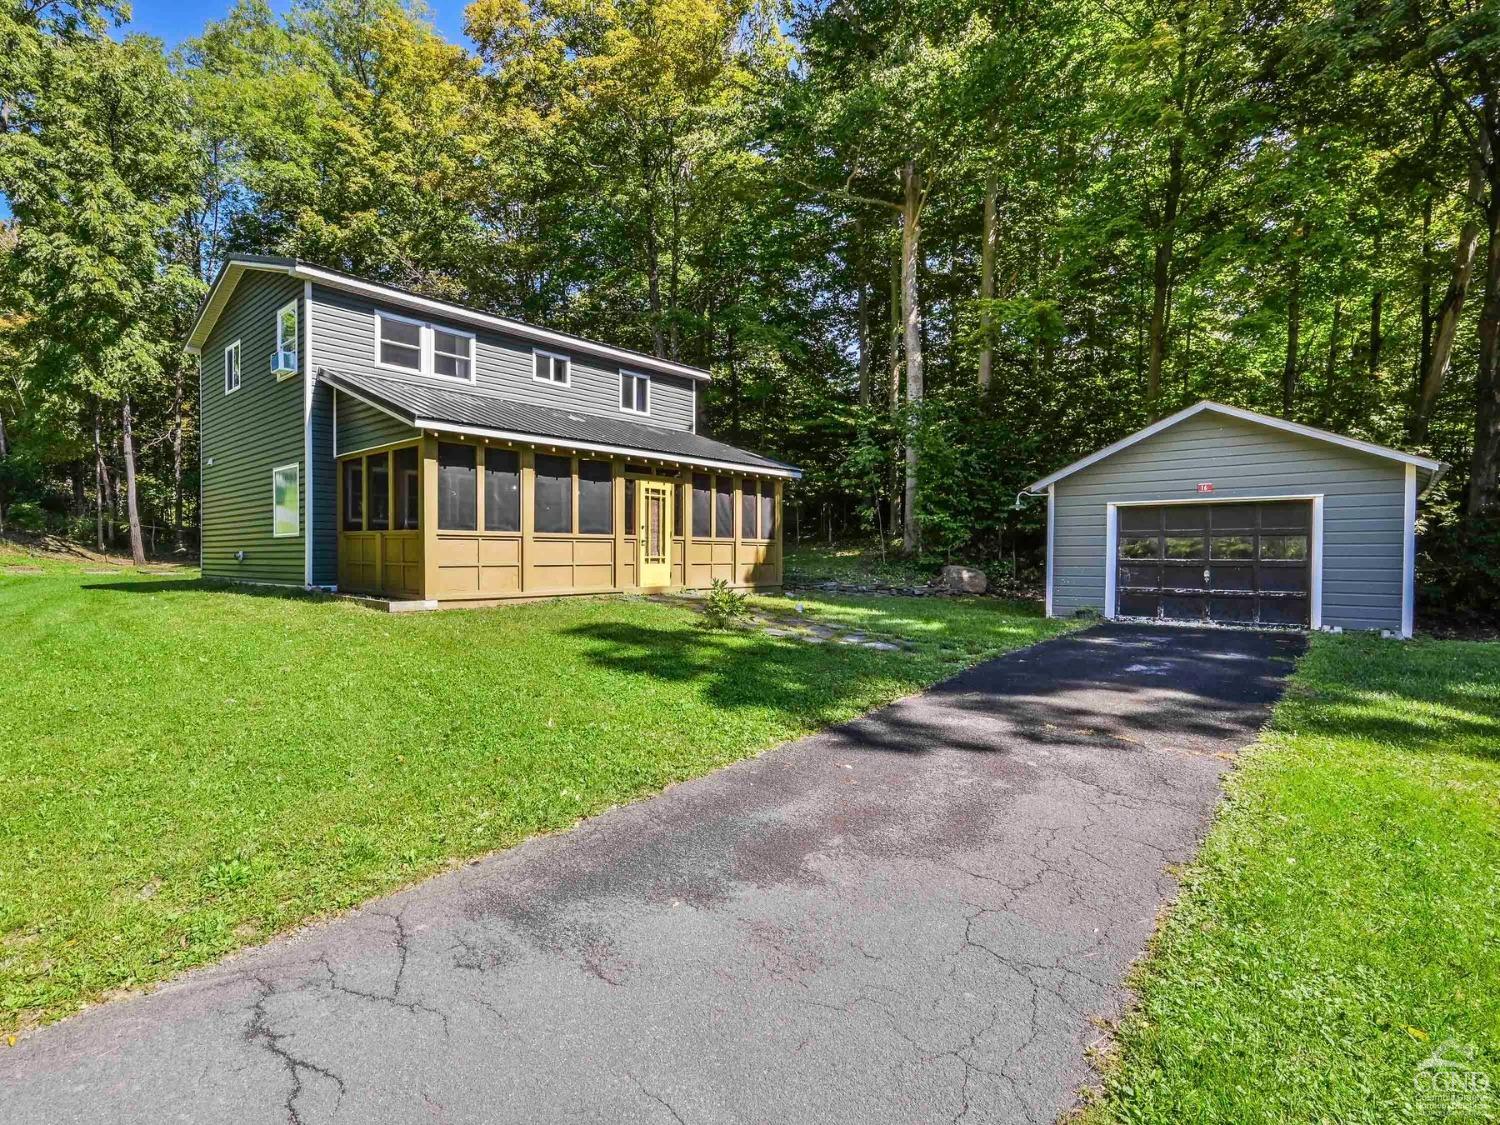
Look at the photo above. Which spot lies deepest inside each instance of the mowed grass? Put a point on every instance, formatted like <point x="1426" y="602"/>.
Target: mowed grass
<point x="1343" y="920"/>
<point x="189" y="768"/>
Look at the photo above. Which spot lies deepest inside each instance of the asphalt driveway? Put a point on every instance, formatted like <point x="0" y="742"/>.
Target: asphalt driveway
<point x="918" y="916"/>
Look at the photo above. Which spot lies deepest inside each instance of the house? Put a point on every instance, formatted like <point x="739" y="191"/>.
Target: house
<point x="1223" y="515"/>
<point x="359" y="437"/>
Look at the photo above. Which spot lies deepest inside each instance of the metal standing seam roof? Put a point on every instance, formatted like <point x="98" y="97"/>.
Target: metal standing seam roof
<point x="433" y="407"/>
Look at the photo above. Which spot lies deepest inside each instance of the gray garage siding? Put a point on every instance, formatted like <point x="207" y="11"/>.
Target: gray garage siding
<point x="325" y="495"/>
<point x="344" y="339"/>
<point x="248" y="433"/>
<point x="363" y="427"/>
<point x="1362" y="508"/>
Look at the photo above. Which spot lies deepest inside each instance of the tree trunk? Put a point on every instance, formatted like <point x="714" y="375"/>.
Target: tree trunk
<point x="101" y="483"/>
<point x="4" y="452"/>
<point x="1293" y="338"/>
<point x="127" y="444"/>
<point x="1161" y="275"/>
<point x="911" y="317"/>
<point x="987" y="284"/>
<point x="1435" y="374"/>
<point x="177" y="461"/>
<point x="862" y="310"/>
<point x="893" y="370"/>
<point x="1377" y="303"/>
<point x="1484" y="469"/>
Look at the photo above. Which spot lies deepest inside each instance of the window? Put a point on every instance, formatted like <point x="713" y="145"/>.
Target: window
<point x="767" y="510"/>
<point x="408" y="494"/>
<point x="458" y="497"/>
<point x="635" y="392"/>
<point x="285" y="498"/>
<point x="548" y="367"/>
<point x="554" y="493"/>
<point x="1283" y="547"/>
<point x="502" y="490"/>
<point x="1140" y="547"/>
<point x="723" y="508"/>
<point x="596" y="498"/>
<point x="232" y="367"/>
<point x="630" y="528"/>
<point x="354" y="495"/>
<point x="749" y="509"/>
<point x="702" y="506"/>
<point x="380" y="492"/>
<point x="1232" y="547"/>
<point x="452" y="354"/>
<point x="284" y="360"/>
<point x="400" y="343"/>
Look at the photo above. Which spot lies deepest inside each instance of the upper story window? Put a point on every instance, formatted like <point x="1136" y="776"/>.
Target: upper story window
<point x="284" y="358"/>
<point x="426" y="349"/>
<point x="232" y="367"/>
<point x="635" y="392"/>
<point x="400" y="343"/>
<point x="549" y="367"/>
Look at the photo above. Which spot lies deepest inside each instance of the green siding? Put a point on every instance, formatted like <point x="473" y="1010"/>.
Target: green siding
<point x="363" y="427"/>
<point x="248" y="433"/>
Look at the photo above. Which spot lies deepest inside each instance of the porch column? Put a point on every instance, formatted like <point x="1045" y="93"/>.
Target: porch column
<point x="429" y="516"/>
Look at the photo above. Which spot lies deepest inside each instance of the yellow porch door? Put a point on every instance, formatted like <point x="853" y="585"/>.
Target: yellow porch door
<point x="654" y="536"/>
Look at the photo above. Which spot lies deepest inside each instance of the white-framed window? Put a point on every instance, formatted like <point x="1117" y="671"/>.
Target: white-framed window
<point x="635" y="392"/>
<point x="286" y="500"/>
<point x="232" y="368"/>
<point x="284" y="358"/>
<point x="398" y="342"/>
<point x="422" y="348"/>
<point x="453" y="354"/>
<point x="549" y="367"/>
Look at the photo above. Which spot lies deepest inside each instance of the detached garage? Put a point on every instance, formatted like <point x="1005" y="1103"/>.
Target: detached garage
<point x="1222" y="515"/>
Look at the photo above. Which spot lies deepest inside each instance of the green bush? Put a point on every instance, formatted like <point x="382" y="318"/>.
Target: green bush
<point x="26" y="516"/>
<point x="723" y="606"/>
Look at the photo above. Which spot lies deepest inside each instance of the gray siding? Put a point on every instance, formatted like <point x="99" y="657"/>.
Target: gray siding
<point x="363" y="427"/>
<point x="344" y="338"/>
<point x="244" y="435"/>
<point x="1362" y="508"/>
<point x="325" y="487"/>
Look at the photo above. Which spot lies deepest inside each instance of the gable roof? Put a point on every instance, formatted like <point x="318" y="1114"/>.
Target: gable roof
<point x="235" y="267"/>
<point x="480" y="414"/>
<point x="1434" y="469"/>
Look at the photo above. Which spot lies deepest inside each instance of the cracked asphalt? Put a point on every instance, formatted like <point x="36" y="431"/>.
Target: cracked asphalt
<point x="921" y="915"/>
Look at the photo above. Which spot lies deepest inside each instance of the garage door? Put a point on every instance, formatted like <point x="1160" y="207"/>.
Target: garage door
<point x="1245" y="563"/>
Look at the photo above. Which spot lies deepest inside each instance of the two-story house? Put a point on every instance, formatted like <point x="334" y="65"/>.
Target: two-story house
<point x="361" y="437"/>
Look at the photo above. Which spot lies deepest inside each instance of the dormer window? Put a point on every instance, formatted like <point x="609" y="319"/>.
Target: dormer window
<point x="425" y="349"/>
<point x="549" y="367"/>
<point x="635" y="392"/>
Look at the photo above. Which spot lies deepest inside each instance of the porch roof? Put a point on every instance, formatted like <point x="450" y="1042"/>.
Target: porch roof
<point x="476" y="413"/>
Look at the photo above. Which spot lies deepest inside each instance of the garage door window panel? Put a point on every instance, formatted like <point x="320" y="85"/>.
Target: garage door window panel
<point x="1284" y="548"/>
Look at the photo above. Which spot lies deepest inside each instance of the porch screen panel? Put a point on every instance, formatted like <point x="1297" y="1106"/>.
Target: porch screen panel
<point x="767" y="510"/>
<point x="749" y="503"/>
<point x="380" y="492"/>
<point x="502" y="490"/>
<point x="596" y="498"/>
<point x="458" y="495"/>
<point x="554" y="493"/>
<point x="724" y="508"/>
<point x="354" y="495"/>
<point x="702" y="506"/>
<point x="408" y="494"/>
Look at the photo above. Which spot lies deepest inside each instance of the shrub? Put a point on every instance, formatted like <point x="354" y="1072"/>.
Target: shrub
<point x="723" y="606"/>
<point x="27" y="516"/>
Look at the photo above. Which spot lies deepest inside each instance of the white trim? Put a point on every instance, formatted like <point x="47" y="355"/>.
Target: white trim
<point x="308" y="386"/>
<point x="1248" y="416"/>
<point x="232" y="269"/>
<point x="1051" y="533"/>
<point x="565" y="381"/>
<point x="296" y="467"/>
<point x="430" y="332"/>
<point x="420" y="369"/>
<point x="239" y="366"/>
<point x="1409" y="553"/>
<point x="626" y="373"/>
<point x="1315" y="544"/>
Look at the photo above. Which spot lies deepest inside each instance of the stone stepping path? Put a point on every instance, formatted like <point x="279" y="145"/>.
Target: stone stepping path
<point x="795" y="627"/>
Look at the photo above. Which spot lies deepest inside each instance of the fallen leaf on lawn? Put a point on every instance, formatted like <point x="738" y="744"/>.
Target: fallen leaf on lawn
<point x="1416" y="1033"/>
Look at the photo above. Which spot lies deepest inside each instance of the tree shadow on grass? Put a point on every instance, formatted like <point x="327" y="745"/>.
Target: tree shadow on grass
<point x="202" y="586"/>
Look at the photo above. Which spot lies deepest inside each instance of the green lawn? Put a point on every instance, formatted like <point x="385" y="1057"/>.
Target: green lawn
<point x="858" y="563"/>
<point x="1343" y="920"/>
<point x="190" y="768"/>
